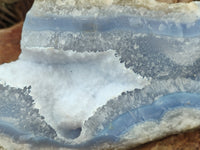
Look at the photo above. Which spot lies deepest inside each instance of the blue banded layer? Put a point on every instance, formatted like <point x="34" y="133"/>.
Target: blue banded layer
<point x="150" y="47"/>
<point x="153" y="112"/>
<point x="135" y="24"/>
<point x="120" y="116"/>
<point x="157" y="57"/>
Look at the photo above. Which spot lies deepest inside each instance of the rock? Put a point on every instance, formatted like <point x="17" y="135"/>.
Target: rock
<point x="103" y="77"/>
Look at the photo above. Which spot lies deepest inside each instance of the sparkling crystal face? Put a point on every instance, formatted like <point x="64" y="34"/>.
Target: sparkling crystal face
<point x="102" y="74"/>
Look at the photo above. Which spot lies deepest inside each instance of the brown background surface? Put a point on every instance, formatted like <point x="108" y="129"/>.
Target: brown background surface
<point x="10" y="43"/>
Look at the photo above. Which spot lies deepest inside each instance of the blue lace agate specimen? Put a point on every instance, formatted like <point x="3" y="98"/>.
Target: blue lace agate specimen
<point x="102" y="74"/>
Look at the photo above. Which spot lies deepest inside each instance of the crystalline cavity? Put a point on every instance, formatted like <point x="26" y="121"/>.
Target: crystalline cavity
<point x="103" y="72"/>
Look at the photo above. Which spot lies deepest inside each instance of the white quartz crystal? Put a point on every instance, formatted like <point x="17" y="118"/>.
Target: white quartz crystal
<point x="70" y="89"/>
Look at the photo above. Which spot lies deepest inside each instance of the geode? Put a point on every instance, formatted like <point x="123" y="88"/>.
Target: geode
<point x="103" y="74"/>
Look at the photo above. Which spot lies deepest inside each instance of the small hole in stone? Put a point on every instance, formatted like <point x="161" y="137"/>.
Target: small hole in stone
<point x="70" y="133"/>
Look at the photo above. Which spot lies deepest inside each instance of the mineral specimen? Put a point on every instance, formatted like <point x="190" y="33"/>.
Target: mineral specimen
<point x="103" y="74"/>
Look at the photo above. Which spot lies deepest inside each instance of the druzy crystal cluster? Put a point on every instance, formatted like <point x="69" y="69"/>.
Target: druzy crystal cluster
<point x="102" y="74"/>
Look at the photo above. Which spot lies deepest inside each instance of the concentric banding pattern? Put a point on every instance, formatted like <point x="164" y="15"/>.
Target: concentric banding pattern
<point x="120" y="116"/>
<point x="151" y="47"/>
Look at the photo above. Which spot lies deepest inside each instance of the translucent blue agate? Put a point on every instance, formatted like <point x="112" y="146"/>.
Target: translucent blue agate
<point x="153" y="112"/>
<point x="32" y="128"/>
<point x="134" y="24"/>
<point x="165" y="52"/>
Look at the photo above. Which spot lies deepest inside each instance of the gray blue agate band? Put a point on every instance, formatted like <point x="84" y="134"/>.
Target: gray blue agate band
<point x="129" y="110"/>
<point x="110" y="24"/>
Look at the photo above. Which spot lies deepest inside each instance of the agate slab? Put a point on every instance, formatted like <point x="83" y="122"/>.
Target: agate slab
<point x="103" y="74"/>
